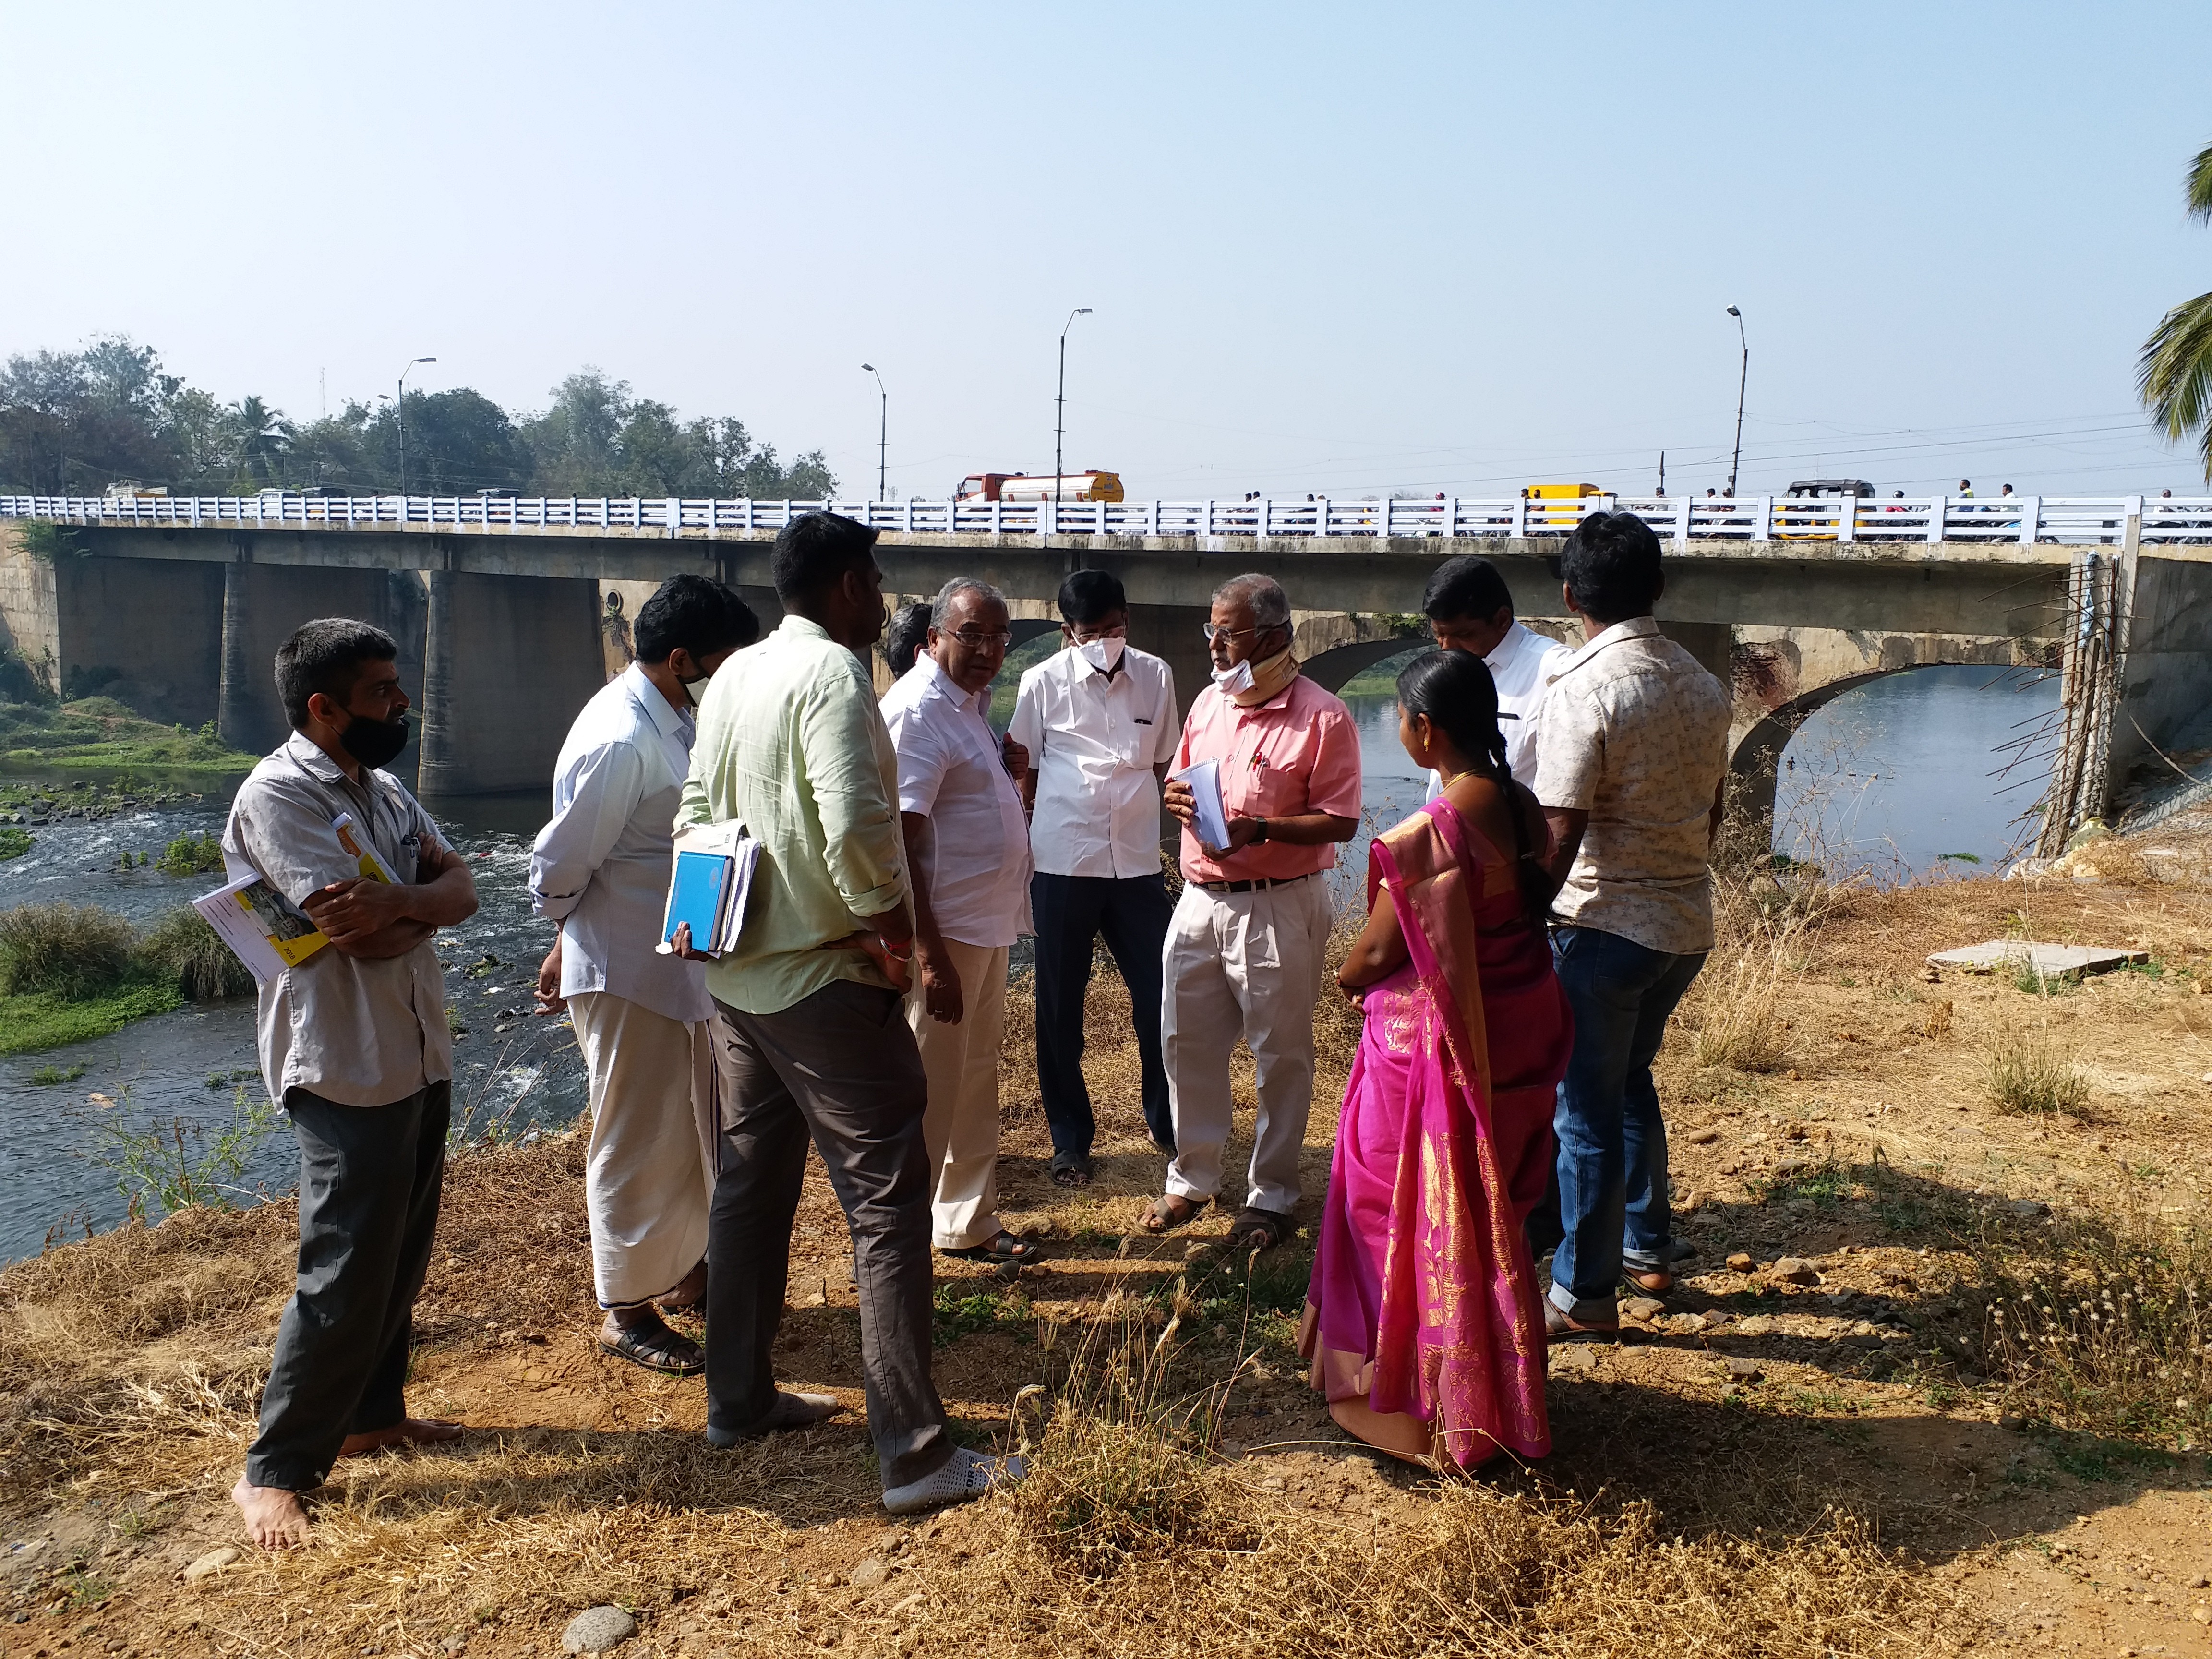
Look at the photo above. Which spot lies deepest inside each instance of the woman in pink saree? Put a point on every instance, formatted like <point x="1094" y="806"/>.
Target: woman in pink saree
<point x="1424" y="1322"/>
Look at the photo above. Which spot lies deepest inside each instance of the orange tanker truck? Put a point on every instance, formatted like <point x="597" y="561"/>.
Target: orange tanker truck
<point x="1036" y="487"/>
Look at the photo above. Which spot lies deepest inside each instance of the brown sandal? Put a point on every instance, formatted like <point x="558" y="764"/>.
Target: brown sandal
<point x="1255" y="1229"/>
<point x="1168" y="1211"/>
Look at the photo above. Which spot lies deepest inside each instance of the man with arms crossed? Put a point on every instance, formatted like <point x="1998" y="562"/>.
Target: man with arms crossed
<point x="968" y="858"/>
<point x="1469" y="610"/>
<point x="808" y="1036"/>
<point x="1097" y="722"/>
<point x="354" y="1046"/>
<point x="601" y="869"/>
<point x="1247" y="945"/>
<point x="1635" y="747"/>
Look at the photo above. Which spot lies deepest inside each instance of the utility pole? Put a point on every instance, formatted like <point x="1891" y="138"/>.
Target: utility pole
<point x="882" y="434"/>
<point x="1742" y="380"/>
<point x="400" y="409"/>
<point x="1060" y="418"/>
<point x="1662" y="474"/>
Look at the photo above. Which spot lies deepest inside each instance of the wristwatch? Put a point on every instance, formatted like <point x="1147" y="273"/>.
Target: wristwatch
<point x="1260" y="834"/>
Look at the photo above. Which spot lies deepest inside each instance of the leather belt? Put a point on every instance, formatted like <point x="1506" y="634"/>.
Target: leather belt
<point x="1258" y="886"/>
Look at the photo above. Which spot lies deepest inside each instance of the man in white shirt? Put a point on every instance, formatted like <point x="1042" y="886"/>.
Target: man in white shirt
<point x="967" y="857"/>
<point x="1469" y="610"/>
<point x="601" y="869"/>
<point x="1098" y="722"/>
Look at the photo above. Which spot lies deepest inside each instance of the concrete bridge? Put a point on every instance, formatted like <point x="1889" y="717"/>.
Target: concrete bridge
<point x="500" y="605"/>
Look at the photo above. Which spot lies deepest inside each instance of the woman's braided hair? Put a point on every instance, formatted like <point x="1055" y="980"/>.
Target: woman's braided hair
<point x="1454" y="689"/>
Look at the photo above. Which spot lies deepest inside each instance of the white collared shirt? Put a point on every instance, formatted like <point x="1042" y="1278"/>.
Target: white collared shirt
<point x="1093" y="740"/>
<point x="950" y="772"/>
<point x="601" y="867"/>
<point x="1520" y="668"/>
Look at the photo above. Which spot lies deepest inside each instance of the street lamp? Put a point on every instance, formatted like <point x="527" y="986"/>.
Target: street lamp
<point x="1060" y="418"/>
<point x="1742" y="380"/>
<point x="401" y="406"/>
<point x="882" y="432"/>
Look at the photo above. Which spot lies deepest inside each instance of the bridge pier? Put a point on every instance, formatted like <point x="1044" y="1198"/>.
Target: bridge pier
<point x="507" y="662"/>
<point x="262" y="606"/>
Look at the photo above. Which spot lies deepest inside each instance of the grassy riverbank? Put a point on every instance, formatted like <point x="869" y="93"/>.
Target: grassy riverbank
<point x="1925" y="1331"/>
<point x="69" y="972"/>
<point x="98" y="733"/>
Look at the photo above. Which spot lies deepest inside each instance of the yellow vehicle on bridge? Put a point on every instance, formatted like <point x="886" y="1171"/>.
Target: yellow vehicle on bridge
<point x="1546" y="521"/>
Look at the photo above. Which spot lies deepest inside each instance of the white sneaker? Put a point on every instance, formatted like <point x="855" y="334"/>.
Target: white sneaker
<point x="966" y="1474"/>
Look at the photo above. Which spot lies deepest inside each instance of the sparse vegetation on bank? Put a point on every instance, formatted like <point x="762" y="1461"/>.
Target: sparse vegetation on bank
<point x="97" y="732"/>
<point x="69" y="972"/>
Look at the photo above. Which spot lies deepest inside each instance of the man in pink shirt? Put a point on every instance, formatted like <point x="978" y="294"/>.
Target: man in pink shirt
<point x="1247" y="945"/>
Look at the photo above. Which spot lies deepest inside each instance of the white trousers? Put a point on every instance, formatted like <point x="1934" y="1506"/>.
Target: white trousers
<point x="960" y="1130"/>
<point x="650" y="1170"/>
<point x="1245" y="964"/>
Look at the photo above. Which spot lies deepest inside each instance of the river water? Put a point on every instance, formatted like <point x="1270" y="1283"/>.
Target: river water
<point x="1894" y="775"/>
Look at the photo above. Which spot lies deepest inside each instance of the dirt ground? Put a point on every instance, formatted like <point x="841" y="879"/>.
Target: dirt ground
<point x="1811" y="1453"/>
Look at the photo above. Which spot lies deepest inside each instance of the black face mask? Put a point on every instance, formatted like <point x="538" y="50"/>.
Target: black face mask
<point x="374" y="743"/>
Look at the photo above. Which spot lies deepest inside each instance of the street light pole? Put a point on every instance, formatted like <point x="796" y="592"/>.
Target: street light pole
<point x="1060" y="418"/>
<point x="1742" y="380"/>
<point x="400" y="409"/>
<point x="882" y="434"/>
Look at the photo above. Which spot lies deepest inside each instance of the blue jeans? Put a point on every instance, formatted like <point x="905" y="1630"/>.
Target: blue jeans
<point x="1612" y="1143"/>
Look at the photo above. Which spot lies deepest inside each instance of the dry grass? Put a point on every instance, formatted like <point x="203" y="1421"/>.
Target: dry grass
<point x="2103" y="1323"/>
<point x="2027" y="1072"/>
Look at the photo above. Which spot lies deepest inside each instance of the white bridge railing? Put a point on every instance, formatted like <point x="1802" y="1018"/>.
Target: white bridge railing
<point x="2022" y="519"/>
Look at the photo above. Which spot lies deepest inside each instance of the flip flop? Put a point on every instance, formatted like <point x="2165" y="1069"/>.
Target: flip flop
<point x="1004" y="1247"/>
<point x="1255" y="1229"/>
<point x="1162" y="1216"/>
<point x="1071" y="1169"/>
<point x="658" y="1349"/>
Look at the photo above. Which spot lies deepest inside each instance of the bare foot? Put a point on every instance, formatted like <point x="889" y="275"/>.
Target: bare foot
<point x="414" y="1432"/>
<point x="274" y="1516"/>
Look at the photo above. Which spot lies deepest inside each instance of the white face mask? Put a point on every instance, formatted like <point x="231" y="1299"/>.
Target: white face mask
<point x="1102" y="655"/>
<point x="1234" y="680"/>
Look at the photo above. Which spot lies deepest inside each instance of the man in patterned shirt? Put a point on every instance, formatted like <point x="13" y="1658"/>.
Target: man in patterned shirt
<point x="1635" y="747"/>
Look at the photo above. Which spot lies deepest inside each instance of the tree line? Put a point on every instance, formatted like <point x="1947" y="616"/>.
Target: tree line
<point x="72" y="424"/>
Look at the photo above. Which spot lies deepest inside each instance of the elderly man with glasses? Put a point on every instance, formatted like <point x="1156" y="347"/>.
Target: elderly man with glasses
<point x="968" y="859"/>
<point x="1248" y="942"/>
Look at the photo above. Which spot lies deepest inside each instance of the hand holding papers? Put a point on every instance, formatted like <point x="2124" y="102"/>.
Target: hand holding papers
<point x="707" y="894"/>
<point x="1211" y="821"/>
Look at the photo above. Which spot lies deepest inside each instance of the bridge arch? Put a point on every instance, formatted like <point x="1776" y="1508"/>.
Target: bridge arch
<point x="1782" y="677"/>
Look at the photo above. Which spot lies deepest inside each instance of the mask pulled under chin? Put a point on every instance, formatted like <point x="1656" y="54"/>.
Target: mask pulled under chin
<point x="694" y="691"/>
<point x="1248" y="686"/>
<point x="374" y="743"/>
<point x="1102" y="655"/>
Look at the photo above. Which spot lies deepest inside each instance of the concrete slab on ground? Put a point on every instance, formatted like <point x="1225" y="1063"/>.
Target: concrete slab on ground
<point x="2051" y="961"/>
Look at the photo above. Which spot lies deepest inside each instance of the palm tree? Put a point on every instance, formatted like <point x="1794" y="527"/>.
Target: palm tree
<point x="263" y="435"/>
<point x="2174" y="374"/>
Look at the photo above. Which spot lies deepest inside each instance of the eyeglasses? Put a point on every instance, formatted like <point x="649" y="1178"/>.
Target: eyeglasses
<point x="975" y="642"/>
<point x="1214" y="631"/>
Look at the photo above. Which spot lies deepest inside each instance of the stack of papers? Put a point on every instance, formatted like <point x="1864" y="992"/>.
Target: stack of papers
<point x="712" y="878"/>
<point x="1204" y="778"/>
<point x="267" y="934"/>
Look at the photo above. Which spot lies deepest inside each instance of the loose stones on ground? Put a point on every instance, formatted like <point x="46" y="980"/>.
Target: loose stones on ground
<point x="597" y="1629"/>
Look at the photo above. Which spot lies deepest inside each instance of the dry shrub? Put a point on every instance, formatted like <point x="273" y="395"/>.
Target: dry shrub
<point x="1737" y="1005"/>
<point x="182" y="946"/>
<point x="2104" y="1322"/>
<point x="1456" y="1569"/>
<point x="73" y="950"/>
<point x="2026" y="1072"/>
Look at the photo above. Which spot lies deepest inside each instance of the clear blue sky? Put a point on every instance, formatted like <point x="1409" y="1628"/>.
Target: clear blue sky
<point x="1349" y="249"/>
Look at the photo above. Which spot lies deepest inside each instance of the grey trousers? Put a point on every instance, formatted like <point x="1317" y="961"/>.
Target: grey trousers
<point x="842" y="1067"/>
<point x="370" y="1182"/>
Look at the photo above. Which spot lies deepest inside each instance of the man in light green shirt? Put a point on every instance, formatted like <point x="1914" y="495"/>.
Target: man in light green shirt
<point x="810" y="1036"/>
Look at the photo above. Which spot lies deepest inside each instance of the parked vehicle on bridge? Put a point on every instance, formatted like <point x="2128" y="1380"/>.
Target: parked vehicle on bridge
<point x="1795" y="522"/>
<point x="1093" y="486"/>
<point x="1542" y="522"/>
